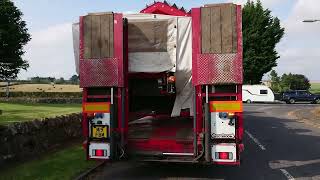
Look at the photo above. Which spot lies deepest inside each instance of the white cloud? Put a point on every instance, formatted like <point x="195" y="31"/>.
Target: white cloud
<point x="301" y="61"/>
<point x="300" y="48"/>
<point x="50" y="53"/>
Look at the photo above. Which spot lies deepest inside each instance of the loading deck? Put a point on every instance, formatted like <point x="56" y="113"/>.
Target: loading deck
<point x="154" y="135"/>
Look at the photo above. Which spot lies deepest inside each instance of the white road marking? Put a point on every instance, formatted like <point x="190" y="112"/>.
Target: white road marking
<point x="281" y="164"/>
<point x="287" y="174"/>
<point x="256" y="141"/>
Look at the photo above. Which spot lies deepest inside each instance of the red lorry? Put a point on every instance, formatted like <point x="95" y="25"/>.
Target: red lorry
<point x="163" y="85"/>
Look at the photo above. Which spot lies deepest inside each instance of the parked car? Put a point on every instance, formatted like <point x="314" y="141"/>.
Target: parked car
<point x="291" y="97"/>
<point x="257" y="93"/>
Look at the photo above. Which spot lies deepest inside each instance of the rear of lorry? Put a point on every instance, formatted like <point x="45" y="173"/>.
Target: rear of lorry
<point x="163" y="85"/>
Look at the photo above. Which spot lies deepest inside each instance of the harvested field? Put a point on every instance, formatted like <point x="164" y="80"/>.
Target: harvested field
<point x="43" y="88"/>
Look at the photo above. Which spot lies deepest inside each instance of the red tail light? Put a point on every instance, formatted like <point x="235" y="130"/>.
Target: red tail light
<point x="224" y="155"/>
<point x="99" y="152"/>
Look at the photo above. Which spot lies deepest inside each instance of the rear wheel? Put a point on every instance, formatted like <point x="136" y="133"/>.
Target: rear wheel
<point x="317" y="101"/>
<point x="292" y="101"/>
<point x="248" y="101"/>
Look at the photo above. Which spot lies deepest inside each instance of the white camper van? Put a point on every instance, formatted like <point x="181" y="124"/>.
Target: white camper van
<point x="257" y="93"/>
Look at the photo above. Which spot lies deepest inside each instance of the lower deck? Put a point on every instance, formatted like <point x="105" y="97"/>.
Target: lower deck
<point x="156" y="135"/>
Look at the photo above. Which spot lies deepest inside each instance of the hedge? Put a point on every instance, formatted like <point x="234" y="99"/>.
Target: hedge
<point x="25" y="100"/>
<point x="44" y="94"/>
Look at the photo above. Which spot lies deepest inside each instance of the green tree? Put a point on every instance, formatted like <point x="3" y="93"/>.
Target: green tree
<point x="60" y="81"/>
<point x="74" y="79"/>
<point x="294" y="82"/>
<point x="275" y="81"/>
<point x="261" y="33"/>
<point x="13" y="36"/>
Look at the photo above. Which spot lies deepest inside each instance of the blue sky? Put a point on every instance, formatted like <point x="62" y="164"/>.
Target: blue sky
<point x="45" y="13"/>
<point x="50" y="52"/>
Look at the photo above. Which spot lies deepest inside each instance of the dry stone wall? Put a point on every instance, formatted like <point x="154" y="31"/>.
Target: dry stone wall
<point x="19" y="141"/>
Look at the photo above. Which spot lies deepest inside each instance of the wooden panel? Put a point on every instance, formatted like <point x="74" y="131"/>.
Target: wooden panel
<point x="105" y="48"/>
<point x="111" y="36"/>
<point x="87" y="36"/>
<point x="96" y="36"/>
<point x="218" y="5"/>
<point x="234" y="29"/>
<point x="219" y="28"/>
<point x="227" y="28"/>
<point x="101" y="13"/>
<point x="106" y="27"/>
<point x="206" y="30"/>
<point x="216" y="41"/>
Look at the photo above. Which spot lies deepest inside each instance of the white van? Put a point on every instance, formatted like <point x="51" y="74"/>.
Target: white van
<point x="257" y="93"/>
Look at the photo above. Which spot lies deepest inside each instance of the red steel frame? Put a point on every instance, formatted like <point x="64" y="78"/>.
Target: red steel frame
<point x="122" y="66"/>
<point x="196" y="49"/>
<point x="120" y="38"/>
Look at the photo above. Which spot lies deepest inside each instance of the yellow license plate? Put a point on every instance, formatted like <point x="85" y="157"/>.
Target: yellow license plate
<point x="99" y="132"/>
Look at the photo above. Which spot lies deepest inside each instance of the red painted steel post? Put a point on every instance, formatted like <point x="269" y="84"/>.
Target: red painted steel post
<point x="196" y="42"/>
<point x="196" y="49"/>
<point x="118" y="46"/>
<point x="118" y="53"/>
<point x="85" y="130"/>
<point x="126" y="80"/>
<point x="240" y="130"/>
<point x="84" y="122"/>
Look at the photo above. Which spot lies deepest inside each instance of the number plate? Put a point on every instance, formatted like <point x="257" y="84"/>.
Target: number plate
<point x="99" y="131"/>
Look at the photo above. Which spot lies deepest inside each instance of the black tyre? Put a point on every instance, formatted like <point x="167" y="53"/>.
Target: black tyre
<point x="248" y="101"/>
<point x="317" y="101"/>
<point x="292" y="101"/>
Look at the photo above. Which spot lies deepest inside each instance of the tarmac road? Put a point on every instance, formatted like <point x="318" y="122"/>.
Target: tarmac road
<point x="277" y="146"/>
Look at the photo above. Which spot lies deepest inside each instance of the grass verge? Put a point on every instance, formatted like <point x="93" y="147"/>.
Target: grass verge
<point x="315" y="88"/>
<point x="64" y="164"/>
<point x="12" y="112"/>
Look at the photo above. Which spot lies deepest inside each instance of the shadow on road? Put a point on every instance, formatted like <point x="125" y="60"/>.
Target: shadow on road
<point x="288" y="145"/>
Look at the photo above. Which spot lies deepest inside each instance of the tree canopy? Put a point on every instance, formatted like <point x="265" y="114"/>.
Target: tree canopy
<point x="275" y="81"/>
<point x="294" y="82"/>
<point x="74" y="79"/>
<point x="13" y="36"/>
<point x="289" y="82"/>
<point x="261" y="33"/>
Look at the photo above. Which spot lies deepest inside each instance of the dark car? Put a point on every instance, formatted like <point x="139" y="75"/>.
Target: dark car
<point x="291" y="97"/>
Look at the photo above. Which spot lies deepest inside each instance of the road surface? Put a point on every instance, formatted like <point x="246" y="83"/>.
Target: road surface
<point x="277" y="146"/>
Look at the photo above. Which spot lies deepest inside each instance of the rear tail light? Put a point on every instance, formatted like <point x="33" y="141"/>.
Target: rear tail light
<point x="231" y="115"/>
<point x="99" y="152"/>
<point x="90" y="115"/>
<point x="224" y="155"/>
<point x="227" y="115"/>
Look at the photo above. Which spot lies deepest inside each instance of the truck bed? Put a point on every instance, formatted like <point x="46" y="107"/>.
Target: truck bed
<point x="157" y="135"/>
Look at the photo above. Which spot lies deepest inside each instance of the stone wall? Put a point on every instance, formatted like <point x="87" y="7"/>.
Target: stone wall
<point x="42" y="100"/>
<point x="19" y="141"/>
